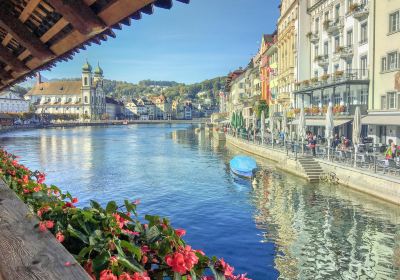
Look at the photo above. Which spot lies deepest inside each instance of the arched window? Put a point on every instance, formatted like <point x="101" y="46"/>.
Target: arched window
<point x="85" y="81"/>
<point x="86" y="100"/>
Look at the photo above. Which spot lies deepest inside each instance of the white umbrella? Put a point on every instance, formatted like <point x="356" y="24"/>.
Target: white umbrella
<point x="271" y="125"/>
<point x="254" y="126"/>
<point x="329" y="126"/>
<point x="262" y="126"/>
<point x="284" y="126"/>
<point x="301" y="128"/>
<point x="356" y="132"/>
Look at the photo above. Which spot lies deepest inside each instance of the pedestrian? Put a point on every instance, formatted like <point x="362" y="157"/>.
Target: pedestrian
<point x="391" y="151"/>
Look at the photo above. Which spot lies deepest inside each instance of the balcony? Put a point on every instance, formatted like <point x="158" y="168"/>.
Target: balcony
<point x="322" y="60"/>
<point x="334" y="26"/>
<point x="361" y="12"/>
<point x="344" y="53"/>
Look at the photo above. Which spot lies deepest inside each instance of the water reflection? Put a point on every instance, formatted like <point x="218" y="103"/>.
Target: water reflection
<point x="326" y="232"/>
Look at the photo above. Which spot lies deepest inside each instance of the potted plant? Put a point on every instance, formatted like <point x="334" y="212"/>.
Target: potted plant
<point x="315" y="110"/>
<point x="314" y="80"/>
<point x="325" y="77"/>
<point x="339" y="73"/>
<point x="306" y="82"/>
<point x="297" y="111"/>
<point x="353" y="7"/>
<point x="318" y="58"/>
<point x="339" y="49"/>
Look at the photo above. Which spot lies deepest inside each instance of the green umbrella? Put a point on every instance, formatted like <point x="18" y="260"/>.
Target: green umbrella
<point x="241" y="123"/>
<point x="233" y="119"/>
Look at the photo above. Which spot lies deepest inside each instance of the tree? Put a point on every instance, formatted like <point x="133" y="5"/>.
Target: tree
<point x="261" y="106"/>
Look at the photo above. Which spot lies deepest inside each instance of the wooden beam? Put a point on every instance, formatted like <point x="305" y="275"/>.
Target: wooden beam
<point x="6" y="39"/>
<point x="32" y="4"/>
<point x="4" y="75"/>
<point x="118" y="10"/>
<point x="148" y="9"/>
<point x="136" y="15"/>
<point x="24" y="55"/>
<point x="8" y="58"/>
<point x="79" y="15"/>
<point x="22" y="34"/>
<point x="165" y="4"/>
<point x="54" y="30"/>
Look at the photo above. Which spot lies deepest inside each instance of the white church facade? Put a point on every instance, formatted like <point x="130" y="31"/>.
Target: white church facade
<point x="84" y="98"/>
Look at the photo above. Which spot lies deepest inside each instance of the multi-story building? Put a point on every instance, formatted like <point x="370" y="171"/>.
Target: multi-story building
<point x="264" y="66"/>
<point x="338" y="41"/>
<point x="162" y="107"/>
<point x="150" y="107"/>
<point x="384" y="97"/>
<point x="113" y="109"/>
<point x="11" y="102"/>
<point x="83" y="97"/>
<point x="237" y="92"/>
<point x="223" y="99"/>
<point x="136" y="110"/>
<point x="273" y="75"/>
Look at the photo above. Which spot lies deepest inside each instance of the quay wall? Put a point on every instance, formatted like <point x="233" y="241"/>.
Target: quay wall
<point x="380" y="186"/>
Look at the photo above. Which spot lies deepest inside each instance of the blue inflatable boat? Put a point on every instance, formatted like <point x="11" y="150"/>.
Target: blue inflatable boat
<point x="243" y="166"/>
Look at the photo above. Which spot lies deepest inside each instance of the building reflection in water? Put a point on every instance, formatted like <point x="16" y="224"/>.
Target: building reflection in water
<point x="327" y="232"/>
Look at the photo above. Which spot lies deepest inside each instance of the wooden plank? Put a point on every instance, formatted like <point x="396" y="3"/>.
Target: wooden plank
<point x="79" y="15"/>
<point x="69" y="42"/>
<point x="22" y="34"/>
<point x="54" y="30"/>
<point x="4" y="75"/>
<point x="26" y="253"/>
<point x="24" y="55"/>
<point x="32" y="4"/>
<point x="6" y="39"/>
<point x="89" y="2"/>
<point x="7" y="57"/>
<point x="118" y="10"/>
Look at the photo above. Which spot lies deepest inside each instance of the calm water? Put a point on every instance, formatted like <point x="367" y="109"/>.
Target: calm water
<point x="284" y="228"/>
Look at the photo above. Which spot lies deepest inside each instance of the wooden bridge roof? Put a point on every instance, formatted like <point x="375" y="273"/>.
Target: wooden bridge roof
<point x="36" y="34"/>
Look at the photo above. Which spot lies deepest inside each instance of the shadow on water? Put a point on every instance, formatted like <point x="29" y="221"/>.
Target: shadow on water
<point x="280" y="228"/>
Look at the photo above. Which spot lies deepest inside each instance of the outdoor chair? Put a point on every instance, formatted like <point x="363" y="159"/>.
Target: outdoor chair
<point x="321" y="153"/>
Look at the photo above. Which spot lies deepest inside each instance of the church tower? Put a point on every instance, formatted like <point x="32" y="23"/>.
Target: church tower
<point x="87" y="90"/>
<point x="98" y="75"/>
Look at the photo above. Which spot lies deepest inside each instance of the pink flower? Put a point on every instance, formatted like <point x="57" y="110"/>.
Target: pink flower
<point x="225" y="268"/>
<point x="25" y="179"/>
<point x="113" y="260"/>
<point x="127" y="231"/>
<point x="180" y="232"/>
<point x="40" y="178"/>
<point x="125" y="276"/>
<point x="49" y="224"/>
<point x="107" y="275"/>
<point x="42" y="226"/>
<point x="60" y="237"/>
<point x="37" y="188"/>
<point x="136" y="202"/>
<point x="145" y="249"/>
<point x="241" y="277"/>
<point x="67" y="263"/>
<point x="120" y="221"/>
<point x="183" y="260"/>
<point x="26" y="191"/>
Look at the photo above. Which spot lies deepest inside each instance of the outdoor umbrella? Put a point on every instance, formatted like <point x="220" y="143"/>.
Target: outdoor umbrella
<point x="271" y="124"/>
<point x="356" y="132"/>
<point x="301" y="128"/>
<point x="254" y="126"/>
<point x="329" y="126"/>
<point x="284" y="126"/>
<point x="262" y="126"/>
<point x="241" y="120"/>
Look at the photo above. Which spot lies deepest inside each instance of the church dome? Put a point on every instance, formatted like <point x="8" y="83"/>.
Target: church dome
<point x="87" y="67"/>
<point x="98" y="70"/>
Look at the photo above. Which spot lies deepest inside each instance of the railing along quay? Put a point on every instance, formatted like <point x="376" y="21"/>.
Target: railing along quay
<point x="372" y="161"/>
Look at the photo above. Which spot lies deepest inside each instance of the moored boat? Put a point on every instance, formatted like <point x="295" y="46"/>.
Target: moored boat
<point x="243" y="166"/>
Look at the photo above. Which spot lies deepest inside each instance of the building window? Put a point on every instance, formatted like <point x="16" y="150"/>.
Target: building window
<point x="392" y="60"/>
<point x="383" y="64"/>
<point x="337" y="11"/>
<point x="337" y="43"/>
<point x="394" y="22"/>
<point x="326" y="48"/>
<point x="391" y="98"/>
<point x="316" y="50"/>
<point x="349" y="66"/>
<point x="364" y="33"/>
<point x="85" y="81"/>
<point x="349" y="38"/>
<point x="364" y="65"/>
<point x="364" y="96"/>
<point x="316" y="25"/>
<point x="86" y="99"/>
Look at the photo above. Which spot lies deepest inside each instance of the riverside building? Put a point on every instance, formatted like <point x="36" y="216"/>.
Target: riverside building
<point x="384" y="99"/>
<point x="338" y="41"/>
<point x="84" y="97"/>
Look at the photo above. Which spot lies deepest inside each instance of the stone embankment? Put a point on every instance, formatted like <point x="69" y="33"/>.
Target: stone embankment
<point x="383" y="187"/>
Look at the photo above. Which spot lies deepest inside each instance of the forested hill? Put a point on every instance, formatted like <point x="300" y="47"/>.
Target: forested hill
<point x="170" y="89"/>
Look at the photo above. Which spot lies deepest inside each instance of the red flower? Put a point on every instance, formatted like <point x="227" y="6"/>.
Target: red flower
<point x="120" y="221"/>
<point x="183" y="260"/>
<point x="75" y="200"/>
<point x="142" y="276"/>
<point x="144" y="259"/>
<point x="26" y="191"/>
<point x="113" y="261"/>
<point x="37" y="188"/>
<point x="49" y="224"/>
<point x="42" y="226"/>
<point x="127" y="231"/>
<point x="107" y="275"/>
<point x="68" y="205"/>
<point x="89" y="267"/>
<point x="25" y="179"/>
<point x="40" y="178"/>
<point x="180" y="232"/>
<point x="145" y="249"/>
<point x="125" y="276"/>
<point x="60" y="237"/>
<point x="225" y="268"/>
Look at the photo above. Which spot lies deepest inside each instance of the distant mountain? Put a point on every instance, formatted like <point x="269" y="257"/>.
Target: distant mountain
<point x="29" y="83"/>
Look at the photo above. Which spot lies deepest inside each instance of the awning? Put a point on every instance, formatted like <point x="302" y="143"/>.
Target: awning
<point x="322" y="122"/>
<point x="381" y="120"/>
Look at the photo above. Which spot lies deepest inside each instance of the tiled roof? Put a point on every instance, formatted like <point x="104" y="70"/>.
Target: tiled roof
<point x="56" y="88"/>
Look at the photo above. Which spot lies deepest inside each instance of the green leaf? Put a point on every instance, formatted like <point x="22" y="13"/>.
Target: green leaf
<point x="85" y="251"/>
<point x="152" y="234"/>
<point x="217" y="275"/>
<point x="126" y="217"/>
<point x="101" y="261"/>
<point x="96" y="205"/>
<point x="123" y="261"/>
<point x="193" y="274"/>
<point x="132" y="249"/>
<point x="111" y="207"/>
<point x="76" y="233"/>
<point x="119" y="249"/>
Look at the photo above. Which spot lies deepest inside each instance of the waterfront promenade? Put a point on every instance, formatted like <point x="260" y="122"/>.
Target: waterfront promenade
<point x="379" y="185"/>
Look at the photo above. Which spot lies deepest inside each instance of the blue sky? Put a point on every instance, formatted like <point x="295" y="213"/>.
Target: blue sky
<point x="188" y="43"/>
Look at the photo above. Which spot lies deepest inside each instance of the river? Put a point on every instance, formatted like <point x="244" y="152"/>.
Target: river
<point x="282" y="228"/>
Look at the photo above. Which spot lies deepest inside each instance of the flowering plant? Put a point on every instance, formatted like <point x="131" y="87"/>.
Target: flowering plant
<point x="111" y="243"/>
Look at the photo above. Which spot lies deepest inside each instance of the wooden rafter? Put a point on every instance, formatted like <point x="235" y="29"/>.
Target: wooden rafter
<point x="4" y="75"/>
<point x="79" y="15"/>
<point x="7" y="57"/>
<point x="22" y="34"/>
